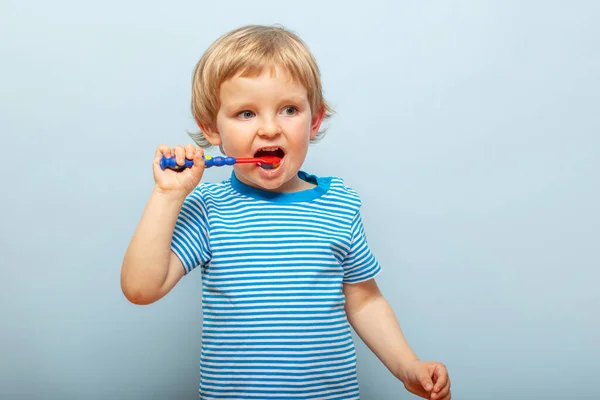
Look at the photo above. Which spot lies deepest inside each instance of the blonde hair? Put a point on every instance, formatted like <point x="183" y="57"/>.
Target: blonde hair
<point x="247" y="51"/>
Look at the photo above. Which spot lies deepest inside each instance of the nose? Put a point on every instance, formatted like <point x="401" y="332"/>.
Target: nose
<point x="269" y="127"/>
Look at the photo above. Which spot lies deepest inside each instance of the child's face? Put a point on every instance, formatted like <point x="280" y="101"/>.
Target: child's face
<point x="266" y="115"/>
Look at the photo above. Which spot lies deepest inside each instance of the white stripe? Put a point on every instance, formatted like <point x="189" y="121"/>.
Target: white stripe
<point x="266" y="332"/>
<point x="269" y="358"/>
<point x="283" y="284"/>
<point x="272" y="319"/>
<point x="266" y="329"/>
<point x="288" y="280"/>
<point x="293" y="338"/>
<point x="258" y="235"/>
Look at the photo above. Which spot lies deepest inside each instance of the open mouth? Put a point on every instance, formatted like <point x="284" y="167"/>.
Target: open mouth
<point x="270" y="152"/>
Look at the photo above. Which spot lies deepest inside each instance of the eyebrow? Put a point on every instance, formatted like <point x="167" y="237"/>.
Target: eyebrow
<point x="238" y="106"/>
<point x="293" y="99"/>
<point x="250" y="104"/>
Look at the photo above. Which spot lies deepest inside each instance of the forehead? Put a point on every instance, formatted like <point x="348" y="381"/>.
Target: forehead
<point x="269" y="83"/>
<point x="269" y="71"/>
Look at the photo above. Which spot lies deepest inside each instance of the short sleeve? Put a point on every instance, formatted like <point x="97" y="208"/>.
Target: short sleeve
<point x="360" y="264"/>
<point x="190" y="241"/>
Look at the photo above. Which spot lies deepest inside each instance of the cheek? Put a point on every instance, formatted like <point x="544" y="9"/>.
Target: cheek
<point x="300" y="128"/>
<point x="236" y="136"/>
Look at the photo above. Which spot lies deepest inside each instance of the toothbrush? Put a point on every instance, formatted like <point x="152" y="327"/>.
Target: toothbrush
<point x="267" y="162"/>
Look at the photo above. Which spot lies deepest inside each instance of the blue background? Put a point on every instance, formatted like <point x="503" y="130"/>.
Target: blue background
<point x="470" y="128"/>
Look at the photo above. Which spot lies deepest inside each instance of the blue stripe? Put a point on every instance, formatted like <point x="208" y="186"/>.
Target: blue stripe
<point x="263" y="356"/>
<point x="280" y="273"/>
<point x="255" y="311"/>
<point x="285" y="343"/>
<point x="300" y="375"/>
<point x="320" y="290"/>
<point x="274" y="302"/>
<point x="281" y="296"/>
<point x="294" y="365"/>
<point x="335" y="384"/>
<point x="273" y="349"/>
<point x="262" y="336"/>
<point x="344" y="393"/>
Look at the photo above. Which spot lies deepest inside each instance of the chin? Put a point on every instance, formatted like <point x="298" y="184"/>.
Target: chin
<point x="276" y="179"/>
<point x="271" y="186"/>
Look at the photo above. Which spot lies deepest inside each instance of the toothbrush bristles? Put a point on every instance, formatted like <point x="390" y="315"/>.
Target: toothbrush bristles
<point x="268" y="166"/>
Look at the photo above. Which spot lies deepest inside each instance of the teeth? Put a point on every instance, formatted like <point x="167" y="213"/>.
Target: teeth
<point x="269" y="149"/>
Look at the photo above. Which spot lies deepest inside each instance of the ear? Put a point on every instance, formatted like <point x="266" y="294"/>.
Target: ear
<point x="316" y="123"/>
<point x="211" y="135"/>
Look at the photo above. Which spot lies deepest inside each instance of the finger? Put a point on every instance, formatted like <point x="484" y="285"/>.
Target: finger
<point x="197" y="169"/>
<point x="161" y="150"/>
<point x="440" y="377"/>
<point x="190" y="151"/>
<point x="197" y="157"/>
<point x="179" y="155"/>
<point x="442" y="394"/>
<point x="417" y="390"/>
<point x="426" y="381"/>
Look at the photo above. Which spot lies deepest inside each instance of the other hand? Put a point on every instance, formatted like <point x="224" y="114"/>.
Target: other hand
<point x="427" y="379"/>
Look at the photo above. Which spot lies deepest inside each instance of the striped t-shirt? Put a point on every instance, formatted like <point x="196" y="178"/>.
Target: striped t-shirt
<point x="273" y="267"/>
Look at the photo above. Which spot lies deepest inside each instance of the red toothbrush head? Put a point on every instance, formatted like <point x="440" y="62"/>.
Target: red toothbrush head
<point x="269" y="162"/>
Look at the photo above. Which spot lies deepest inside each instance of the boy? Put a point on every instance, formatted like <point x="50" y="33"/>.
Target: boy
<point x="285" y="264"/>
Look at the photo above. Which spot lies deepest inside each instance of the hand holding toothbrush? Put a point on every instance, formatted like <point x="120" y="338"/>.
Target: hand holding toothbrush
<point x="180" y="169"/>
<point x="178" y="183"/>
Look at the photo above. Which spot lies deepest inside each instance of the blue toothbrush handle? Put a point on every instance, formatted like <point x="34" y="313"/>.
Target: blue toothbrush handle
<point x="171" y="163"/>
<point x="209" y="161"/>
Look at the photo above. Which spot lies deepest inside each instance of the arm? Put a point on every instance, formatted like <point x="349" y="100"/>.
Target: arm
<point x="374" y="321"/>
<point x="150" y="269"/>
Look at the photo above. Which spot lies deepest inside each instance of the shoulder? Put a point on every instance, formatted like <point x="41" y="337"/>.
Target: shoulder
<point x="340" y="191"/>
<point x="207" y="192"/>
<point x="213" y="188"/>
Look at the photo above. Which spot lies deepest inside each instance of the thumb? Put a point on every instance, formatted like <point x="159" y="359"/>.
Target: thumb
<point x="426" y="381"/>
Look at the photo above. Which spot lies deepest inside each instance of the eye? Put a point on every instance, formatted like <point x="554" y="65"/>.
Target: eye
<point x="290" y="110"/>
<point x="246" y="114"/>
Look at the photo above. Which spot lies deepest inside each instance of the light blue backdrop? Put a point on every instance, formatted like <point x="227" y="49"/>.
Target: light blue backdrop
<point x="470" y="128"/>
